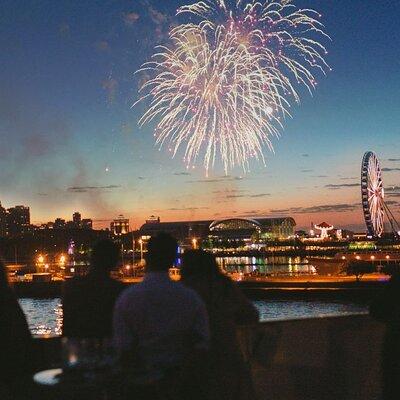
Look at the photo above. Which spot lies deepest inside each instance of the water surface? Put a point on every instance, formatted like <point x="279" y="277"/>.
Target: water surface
<point x="45" y="316"/>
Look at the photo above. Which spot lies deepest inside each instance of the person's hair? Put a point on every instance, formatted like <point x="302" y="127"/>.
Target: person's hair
<point x="199" y="263"/>
<point x="161" y="252"/>
<point x="104" y="257"/>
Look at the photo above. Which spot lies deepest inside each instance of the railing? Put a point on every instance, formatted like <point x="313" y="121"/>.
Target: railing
<point x="322" y="358"/>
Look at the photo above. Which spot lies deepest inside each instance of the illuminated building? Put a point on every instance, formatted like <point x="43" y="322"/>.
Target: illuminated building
<point x="87" y="223"/>
<point x="59" y="223"/>
<point x="18" y="220"/>
<point x="3" y="221"/>
<point x="228" y="229"/>
<point x="153" y="219"/>
<point x="324" y="227"/>
<point x="119" y="226"/>
<point x="77" y="219"/>
<point x="253" y="229"/>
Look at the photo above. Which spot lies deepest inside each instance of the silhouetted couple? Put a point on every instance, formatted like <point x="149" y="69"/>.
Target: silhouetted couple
<point x="175" y="340"/>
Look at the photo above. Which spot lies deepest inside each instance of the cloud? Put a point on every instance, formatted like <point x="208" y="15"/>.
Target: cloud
<point x="342" y="185"/>
<point x="318" y="209"/>
<point x="37" y="145"/>
<point x="305" y="155"/>
<point x="187" y="208"/>
<point x="110" y="86"/>
<point x="251" y="213"/>
<point x="248" y="196"/>
<point x="394" y="159"/>
<point x="102" y="46"/>
<point x="157" y="16"/>
<point x="86" y="189"/>
<point x="221" y="179"/>
<point x="306" y="170"/>
<point x="392" y="189"/>
<point x="348" y="178"/>
<point x="260" y="195"/>
<point x="182" y="173"/>
<point x="320" y="176"/>
<point x="229" y="191"/>
<point x="390" y="169"/>
<point x="130" y="18"/>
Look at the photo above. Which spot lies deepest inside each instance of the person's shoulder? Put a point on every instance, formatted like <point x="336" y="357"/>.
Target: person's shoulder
<point x="188" y="293"/>
<point x="129" y="293"/>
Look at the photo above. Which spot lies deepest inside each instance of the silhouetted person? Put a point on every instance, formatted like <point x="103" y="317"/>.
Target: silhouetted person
<point x="88" y="302"/>
<point x="161" y="327"/>
<point x="386" y="308"/>
<point x="227" y="308"/>
<point x="16" y="345"/>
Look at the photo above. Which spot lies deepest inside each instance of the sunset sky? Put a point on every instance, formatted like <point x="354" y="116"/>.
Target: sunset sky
<point x="70" y="141"/>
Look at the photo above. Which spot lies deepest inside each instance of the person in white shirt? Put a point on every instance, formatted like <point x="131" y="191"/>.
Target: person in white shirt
<point x="159" y="325"/>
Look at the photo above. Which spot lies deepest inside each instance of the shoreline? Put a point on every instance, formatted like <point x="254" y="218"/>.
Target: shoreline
<point x="296" y="287"/>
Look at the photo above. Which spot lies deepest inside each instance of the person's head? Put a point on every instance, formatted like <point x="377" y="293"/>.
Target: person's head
<point x="198" y="263"/>
<point x="105" y="256"/>
<point x="161" y="253"/>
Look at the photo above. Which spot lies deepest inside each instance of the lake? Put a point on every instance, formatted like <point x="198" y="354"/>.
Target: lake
<point x="45" y="316"/>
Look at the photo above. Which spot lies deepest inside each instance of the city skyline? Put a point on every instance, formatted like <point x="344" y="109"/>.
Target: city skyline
<point x="70" y="139"/>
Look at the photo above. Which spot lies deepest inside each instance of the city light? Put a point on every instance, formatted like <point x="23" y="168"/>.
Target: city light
<point x="62" y="259"/>
<point x="40" y="259"/>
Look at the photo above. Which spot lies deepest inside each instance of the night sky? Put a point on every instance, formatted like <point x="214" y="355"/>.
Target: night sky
<point x="70" y="140"/>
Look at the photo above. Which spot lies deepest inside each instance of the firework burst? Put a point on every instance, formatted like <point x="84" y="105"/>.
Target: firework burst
<point x="221" y="87"/>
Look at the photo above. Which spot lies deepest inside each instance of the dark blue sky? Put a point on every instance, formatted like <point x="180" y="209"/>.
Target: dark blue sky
<point x="70" y="141"/>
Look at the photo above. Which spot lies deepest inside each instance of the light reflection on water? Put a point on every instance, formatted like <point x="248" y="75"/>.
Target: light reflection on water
<point x="267" y="265"/>
<point x="45" y="316"/>
<point x="278" y="309"/>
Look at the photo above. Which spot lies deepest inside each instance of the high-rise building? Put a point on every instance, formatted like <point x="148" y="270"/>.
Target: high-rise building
<point x="59" y="223"/>
<point x="120" y="226"/>
<point x="3" y="221"/>
<point x="87" y="223"/>
<point x="18" y="220"/>
<point x="77" y="219"/>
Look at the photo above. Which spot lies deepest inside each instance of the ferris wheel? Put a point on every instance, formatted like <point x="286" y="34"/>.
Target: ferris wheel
<point x="373" y="198"/>
<point x="372" y="194"/>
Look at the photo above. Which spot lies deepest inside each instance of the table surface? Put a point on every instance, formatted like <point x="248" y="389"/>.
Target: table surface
<point x="49" y="377"/>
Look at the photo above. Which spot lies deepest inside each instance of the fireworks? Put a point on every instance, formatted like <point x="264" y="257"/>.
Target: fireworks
<point x="222" y="86"/>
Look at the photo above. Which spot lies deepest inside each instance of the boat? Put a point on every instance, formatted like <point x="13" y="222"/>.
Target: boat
<point x="339" y="263"/>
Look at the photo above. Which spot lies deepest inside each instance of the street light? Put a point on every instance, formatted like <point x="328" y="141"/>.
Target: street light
<point x="40" y="259"/>
<point x="62" y="259"/>
<point x="141" y="250"/>
<point x="194" y="243"/>
<point x="133" y="250"/>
